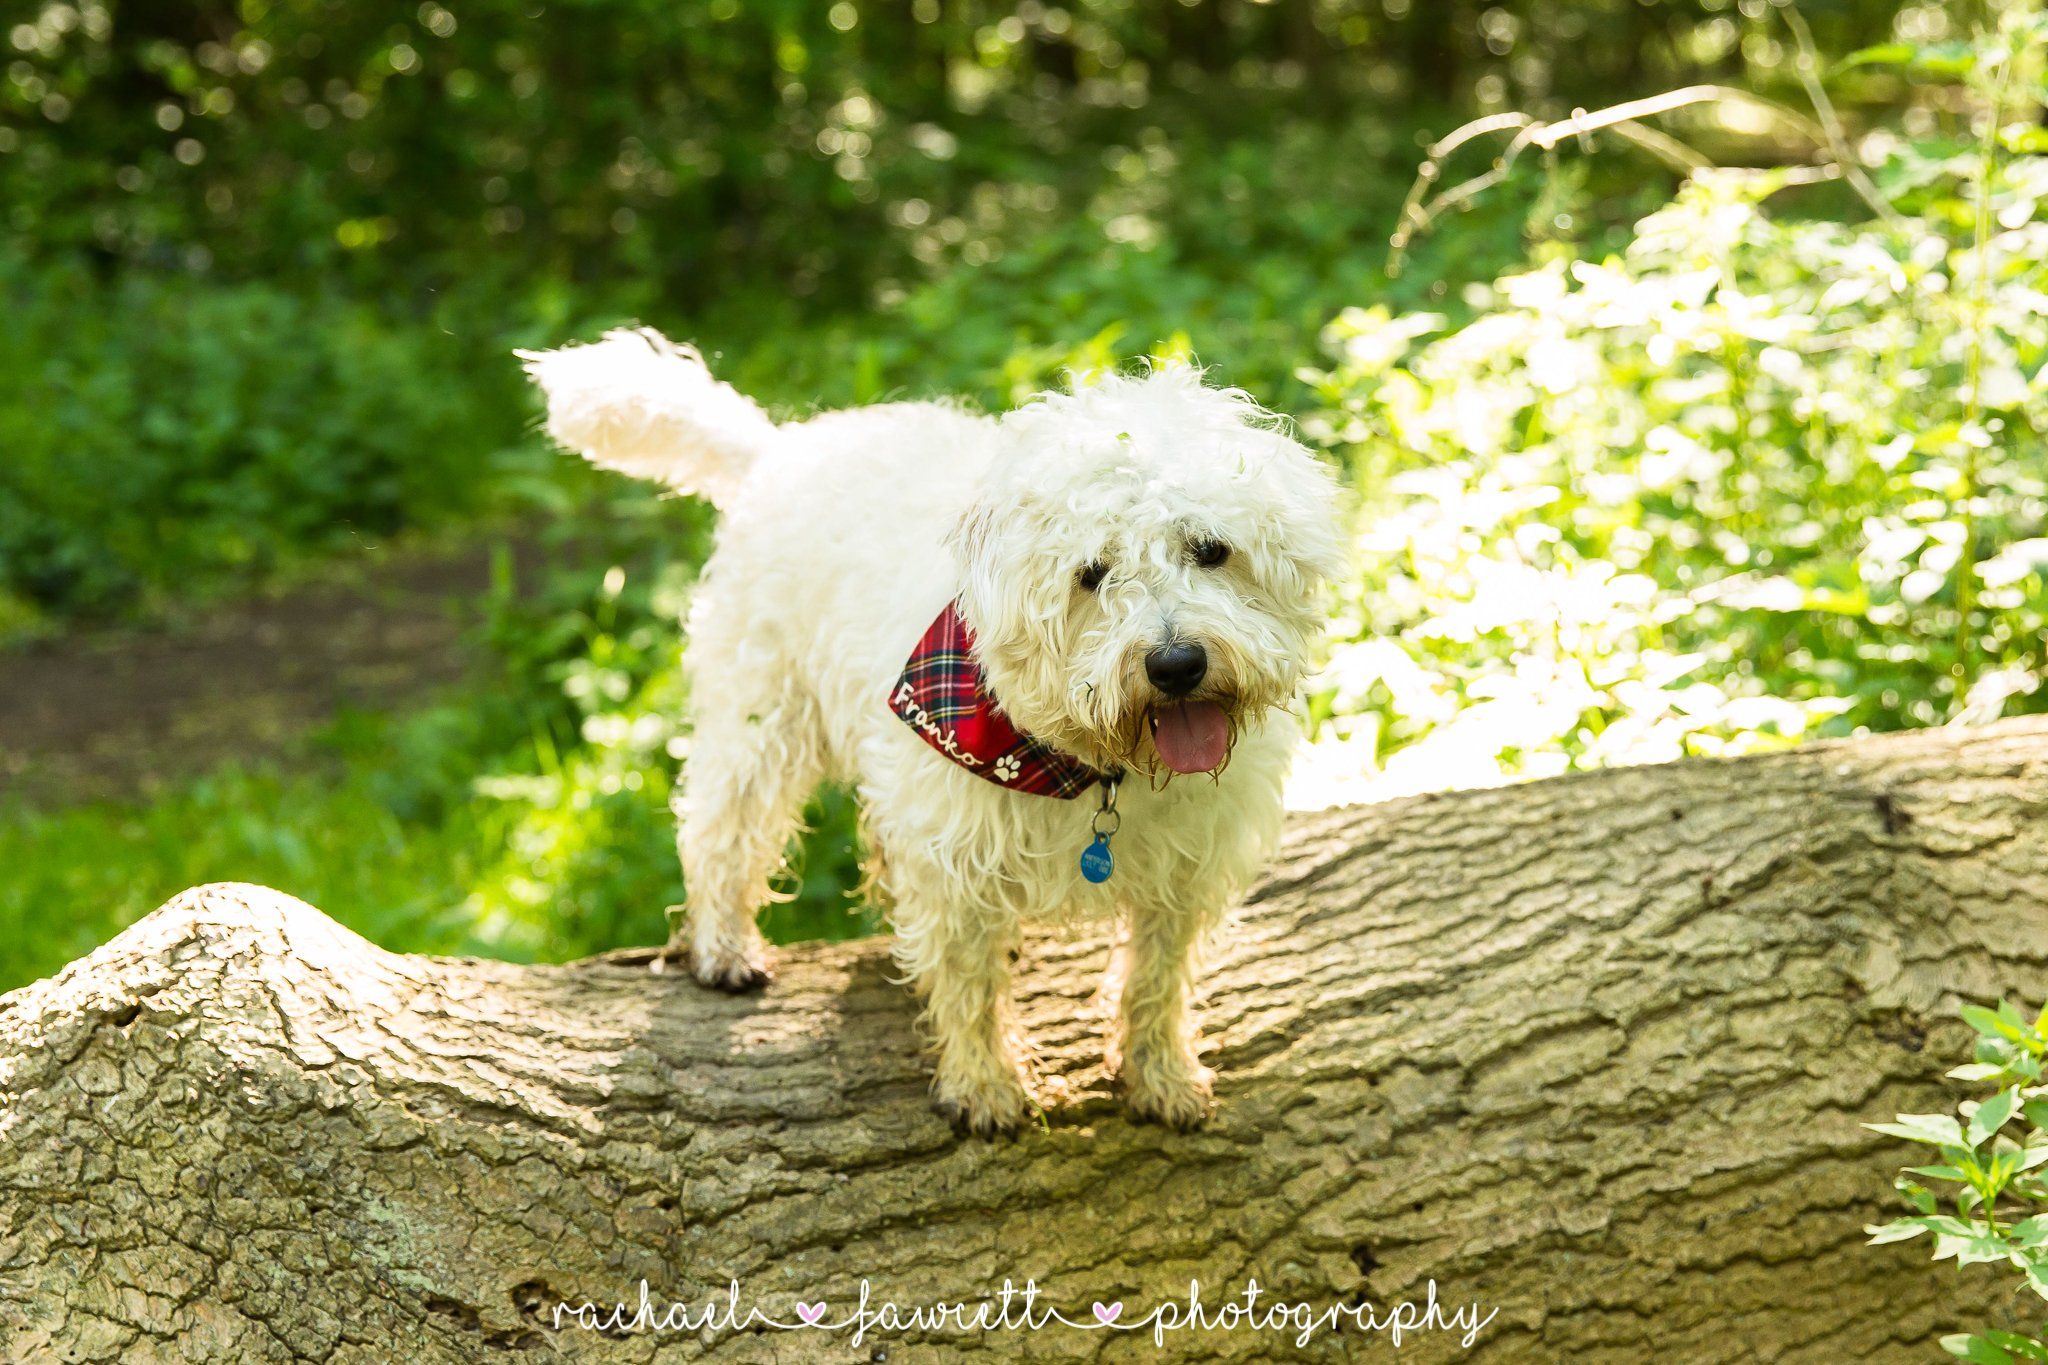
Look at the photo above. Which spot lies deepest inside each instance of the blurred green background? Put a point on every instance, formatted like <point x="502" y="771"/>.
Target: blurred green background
<point x="1676" y="438"/>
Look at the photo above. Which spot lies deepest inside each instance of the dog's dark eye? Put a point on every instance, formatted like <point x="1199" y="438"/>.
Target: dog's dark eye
<point x="1090" y="578"/>
<point x="1209" y="553"/>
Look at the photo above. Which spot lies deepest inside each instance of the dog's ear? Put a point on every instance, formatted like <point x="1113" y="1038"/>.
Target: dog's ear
<point x="970" y="540"/>
<point x="1000" y="587"/>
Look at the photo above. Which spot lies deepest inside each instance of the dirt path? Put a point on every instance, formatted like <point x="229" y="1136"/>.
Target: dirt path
<point x="104" y="714"/>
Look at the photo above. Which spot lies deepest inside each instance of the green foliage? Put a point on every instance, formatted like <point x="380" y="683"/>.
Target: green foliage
<point x="1754" y="476"/>
<point x="163" y="435"/>
<point x="682" y="151"/>
<point x="175" y="434"/>
<point x="851" y="201"/>
<point x="1987" y="1169"/>
<point x="1234" y="250"/>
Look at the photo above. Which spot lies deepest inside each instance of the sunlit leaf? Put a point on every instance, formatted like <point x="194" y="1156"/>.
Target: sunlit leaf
<point x="1991" y="1115"/>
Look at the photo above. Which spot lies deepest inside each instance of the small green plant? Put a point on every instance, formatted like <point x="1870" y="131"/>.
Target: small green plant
<point x="1988" y="1172"/>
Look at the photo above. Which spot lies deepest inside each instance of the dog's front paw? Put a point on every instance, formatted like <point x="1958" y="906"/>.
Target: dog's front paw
<point x="736" y="973"/>
<point x="985" y="1110"/>
<point x="1179" y="1097"/>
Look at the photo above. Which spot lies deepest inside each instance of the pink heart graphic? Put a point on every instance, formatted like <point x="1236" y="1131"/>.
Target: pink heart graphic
<point x="1107" y="1315"/>
<point x="811" y="1312"/>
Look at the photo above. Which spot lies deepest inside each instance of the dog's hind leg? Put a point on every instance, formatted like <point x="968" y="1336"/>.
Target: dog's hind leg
<point x="739" y="803"/>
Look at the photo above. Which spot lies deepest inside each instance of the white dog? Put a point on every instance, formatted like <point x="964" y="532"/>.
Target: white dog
<point x="1051" y="651"/>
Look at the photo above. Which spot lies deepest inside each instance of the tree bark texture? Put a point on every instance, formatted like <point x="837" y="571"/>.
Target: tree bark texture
<point x="1593" y="1052"/>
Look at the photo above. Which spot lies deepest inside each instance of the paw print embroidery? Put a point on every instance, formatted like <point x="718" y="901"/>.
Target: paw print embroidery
<point x="1006" y="768"/>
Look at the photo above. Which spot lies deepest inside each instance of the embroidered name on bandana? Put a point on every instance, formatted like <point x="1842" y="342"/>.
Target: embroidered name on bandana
<point x="941" y="696"/>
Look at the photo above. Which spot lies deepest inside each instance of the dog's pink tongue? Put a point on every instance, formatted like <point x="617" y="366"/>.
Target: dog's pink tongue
<point x="1192" y="736"/>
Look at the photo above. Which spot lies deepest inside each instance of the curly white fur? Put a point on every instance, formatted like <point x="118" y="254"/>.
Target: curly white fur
<point x="844" y="536"/>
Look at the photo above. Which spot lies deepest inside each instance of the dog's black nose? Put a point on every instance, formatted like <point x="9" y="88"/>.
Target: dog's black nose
<point x="1177" y="669"/>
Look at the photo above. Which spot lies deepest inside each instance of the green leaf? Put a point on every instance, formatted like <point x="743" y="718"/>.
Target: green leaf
<point x="1965" y="1347"/>
<point x="1940" y="1129"/>
<point x="1956" y="59"/>
<point x="1946" y="1226"/>
<point x="1990" y="1023"/>
<point x="1883" y="54"/>
<point x="1980" y="1248"/>
<point x="1991" y="1116"/>
<point x="2026" y="1348"/>
<point x="1899" y="1230"/>
<point x="1954" y="1173"/>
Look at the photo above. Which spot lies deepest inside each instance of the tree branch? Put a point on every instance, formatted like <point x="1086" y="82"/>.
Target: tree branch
<point x="1593" y="1052"/>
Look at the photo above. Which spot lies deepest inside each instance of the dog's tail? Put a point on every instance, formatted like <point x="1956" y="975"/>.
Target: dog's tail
<point x="638" y="403"/>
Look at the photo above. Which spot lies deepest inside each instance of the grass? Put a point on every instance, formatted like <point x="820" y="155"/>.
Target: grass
<point x="391" y="842"/>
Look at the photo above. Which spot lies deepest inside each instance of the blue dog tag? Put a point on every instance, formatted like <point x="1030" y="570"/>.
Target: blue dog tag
<point x="1096" y="860"/>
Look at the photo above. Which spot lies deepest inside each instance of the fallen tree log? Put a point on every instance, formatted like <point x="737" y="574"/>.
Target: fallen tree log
<point x="1589" y="1054"/>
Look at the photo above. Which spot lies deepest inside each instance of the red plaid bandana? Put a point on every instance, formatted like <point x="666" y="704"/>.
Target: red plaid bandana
<point x="941" y="695"/>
